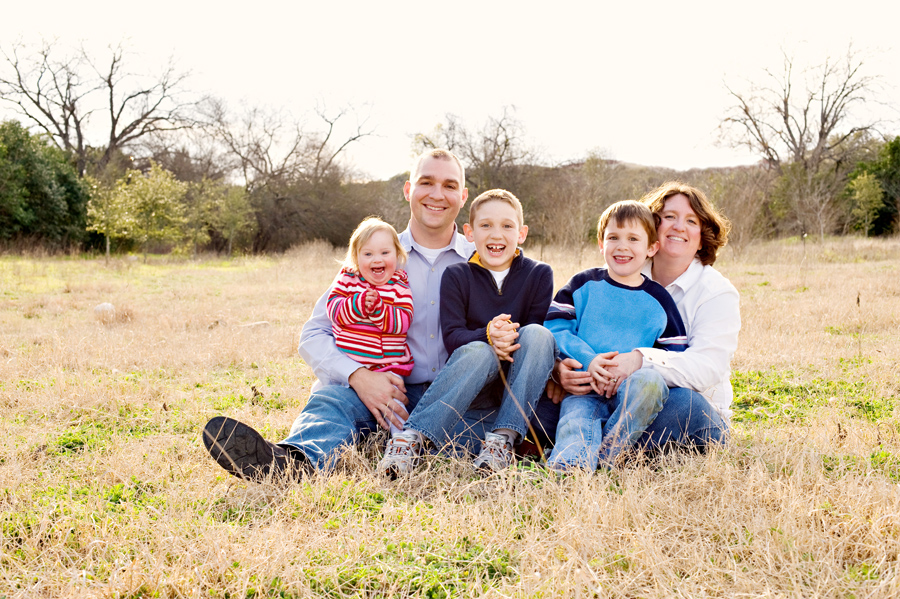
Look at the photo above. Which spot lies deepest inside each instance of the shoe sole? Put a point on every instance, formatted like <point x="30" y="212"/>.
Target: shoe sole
<point x="238" y="448"/>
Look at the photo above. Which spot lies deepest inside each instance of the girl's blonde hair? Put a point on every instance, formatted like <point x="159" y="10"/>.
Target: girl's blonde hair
<point x="368" y="227"/>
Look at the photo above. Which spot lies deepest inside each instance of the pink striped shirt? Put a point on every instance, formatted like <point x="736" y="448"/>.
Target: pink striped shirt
<point x="376" y="339"/>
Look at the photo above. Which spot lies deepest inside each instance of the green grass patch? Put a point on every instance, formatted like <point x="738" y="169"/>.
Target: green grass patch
<point x="435" y="568"/>
<point x="764" y="395"/>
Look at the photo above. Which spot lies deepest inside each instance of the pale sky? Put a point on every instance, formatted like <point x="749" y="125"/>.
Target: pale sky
<point x="642" y="83"/>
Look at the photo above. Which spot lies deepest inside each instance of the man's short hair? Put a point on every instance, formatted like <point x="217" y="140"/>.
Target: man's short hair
<point x="628" y="211"/>
<point x="496" y="195"/>
<point x="441" y="154"/>
<point x="714" y="227"/>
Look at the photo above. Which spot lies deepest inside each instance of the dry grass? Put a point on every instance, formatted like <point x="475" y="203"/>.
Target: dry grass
<point x="108" y="492"/>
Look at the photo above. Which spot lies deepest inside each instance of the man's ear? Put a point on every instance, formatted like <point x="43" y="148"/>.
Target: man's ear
<point x="470" y="234"/>
<point x="654" y="247"/>
<point x="523" y="233"/>
<point x="406" y="187"/>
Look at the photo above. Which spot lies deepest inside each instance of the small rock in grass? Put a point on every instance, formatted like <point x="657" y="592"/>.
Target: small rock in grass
<point x="105" y="312"/>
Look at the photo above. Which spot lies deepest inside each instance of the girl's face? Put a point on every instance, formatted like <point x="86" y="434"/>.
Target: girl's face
<point x="679" y="230"/>
<point x="377" y="258"/>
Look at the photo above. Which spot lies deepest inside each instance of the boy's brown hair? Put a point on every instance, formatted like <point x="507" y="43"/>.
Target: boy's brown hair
<point x="368" y="227"/>
<point x="628" y="211"/>
<point x="714" y="227"/>
<point x="499" y="195"/>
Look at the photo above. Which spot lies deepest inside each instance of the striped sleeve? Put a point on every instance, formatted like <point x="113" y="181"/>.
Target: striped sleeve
<point x="393" y="310"/>
<point x="346" y="304"/>
<point x="562" y="319"/>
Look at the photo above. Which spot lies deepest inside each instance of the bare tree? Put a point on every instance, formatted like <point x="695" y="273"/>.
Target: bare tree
<point x="292" y="172"/>
<point x="810" y="125"/>
<point x="60" y="90"/>
<point x="492" y="154"/>
<point x="806" y="119"/>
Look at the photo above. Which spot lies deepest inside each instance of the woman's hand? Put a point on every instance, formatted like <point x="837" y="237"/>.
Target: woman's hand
<point x="621" y="368"/>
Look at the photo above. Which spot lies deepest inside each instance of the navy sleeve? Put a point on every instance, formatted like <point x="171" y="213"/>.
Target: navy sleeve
<point x="541" y="293"/>
<point x="674" y="337"/>
<point x="454" y="305"/>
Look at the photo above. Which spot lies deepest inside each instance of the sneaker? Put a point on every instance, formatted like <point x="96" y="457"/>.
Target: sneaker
<point x="496" y="453"/>
<point x="244" y="453"/>
<point x="402" y="454"/>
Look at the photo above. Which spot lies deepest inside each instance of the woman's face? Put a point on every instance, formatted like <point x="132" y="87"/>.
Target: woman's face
<point x="679" y="230"/>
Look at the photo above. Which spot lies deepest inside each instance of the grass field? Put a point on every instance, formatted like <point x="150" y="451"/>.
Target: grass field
<point x="108" y="492"/>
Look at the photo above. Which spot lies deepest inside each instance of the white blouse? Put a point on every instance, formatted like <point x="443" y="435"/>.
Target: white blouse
<point x="710" y="308"/>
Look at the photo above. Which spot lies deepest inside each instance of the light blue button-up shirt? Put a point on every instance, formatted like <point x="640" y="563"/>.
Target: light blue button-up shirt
<point x="334" y="367"/>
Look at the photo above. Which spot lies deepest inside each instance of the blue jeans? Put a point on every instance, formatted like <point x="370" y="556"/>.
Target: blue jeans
<point x="333" y="419"/>
<point x="687" y="420"/>
<point x="461" y="404"/>
<point x="593" y="430"/>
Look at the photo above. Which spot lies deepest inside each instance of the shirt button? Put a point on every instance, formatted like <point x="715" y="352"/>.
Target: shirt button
<point x="432" y="336"/>
<point x="433" y="369"/>
<point x="432" y="270"/>
<point x="432" y="302"/>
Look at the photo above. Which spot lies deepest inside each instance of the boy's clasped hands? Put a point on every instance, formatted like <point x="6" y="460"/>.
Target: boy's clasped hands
<point x="503" y="333"/>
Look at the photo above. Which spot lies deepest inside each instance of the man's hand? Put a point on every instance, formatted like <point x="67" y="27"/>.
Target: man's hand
<point x="370" y="299"/>
<point x="377" y="391"/>
<point x="503" y="336"/>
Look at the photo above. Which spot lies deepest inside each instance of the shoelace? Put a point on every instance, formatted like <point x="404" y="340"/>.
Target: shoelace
<point x="403" y="447"/>
<point x="500" y="449"/>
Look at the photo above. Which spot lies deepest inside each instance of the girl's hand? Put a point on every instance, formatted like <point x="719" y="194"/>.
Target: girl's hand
<point x="371" y="298"/>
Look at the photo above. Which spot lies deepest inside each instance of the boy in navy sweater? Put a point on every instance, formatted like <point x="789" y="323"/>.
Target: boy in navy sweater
<point x="491" y="313"/>
<point x="613" y="309"/>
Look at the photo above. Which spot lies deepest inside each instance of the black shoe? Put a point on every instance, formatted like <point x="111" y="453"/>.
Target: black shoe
<point x="244" y="453"/>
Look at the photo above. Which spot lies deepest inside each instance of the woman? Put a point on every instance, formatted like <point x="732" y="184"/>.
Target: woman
<point x="697" y="411"/>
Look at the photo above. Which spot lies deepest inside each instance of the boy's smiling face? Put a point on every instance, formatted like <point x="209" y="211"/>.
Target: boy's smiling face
<point x="626" y="249"/>
<point x="496" y="231"/>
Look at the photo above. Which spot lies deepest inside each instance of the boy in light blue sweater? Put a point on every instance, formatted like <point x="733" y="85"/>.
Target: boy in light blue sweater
<point x="612" y="309"/>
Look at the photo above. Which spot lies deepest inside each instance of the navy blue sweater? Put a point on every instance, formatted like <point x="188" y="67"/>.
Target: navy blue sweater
<point x="470" y="298"/>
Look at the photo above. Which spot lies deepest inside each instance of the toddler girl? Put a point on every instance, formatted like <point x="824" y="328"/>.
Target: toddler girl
<point x="371" y="305"/>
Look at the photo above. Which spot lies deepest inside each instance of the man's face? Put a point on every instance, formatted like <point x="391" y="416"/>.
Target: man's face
<point x="435" y="193"/>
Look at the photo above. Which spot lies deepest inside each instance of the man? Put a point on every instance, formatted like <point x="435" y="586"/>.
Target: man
<point x="350" y="401"/>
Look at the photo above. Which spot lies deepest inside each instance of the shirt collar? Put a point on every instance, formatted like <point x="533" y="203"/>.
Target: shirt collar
<point x="458" y="244"/>
<point x="476" y="259"/>
<point x="686" y="279"/>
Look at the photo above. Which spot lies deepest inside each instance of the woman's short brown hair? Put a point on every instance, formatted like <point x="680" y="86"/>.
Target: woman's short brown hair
<point x="714" y="227"/>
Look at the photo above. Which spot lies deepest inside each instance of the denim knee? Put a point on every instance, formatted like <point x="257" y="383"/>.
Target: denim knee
<point x="535" y="336"/>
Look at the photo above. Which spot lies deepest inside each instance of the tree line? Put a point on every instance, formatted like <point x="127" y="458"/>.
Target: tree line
<point x="106" y="159"/>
